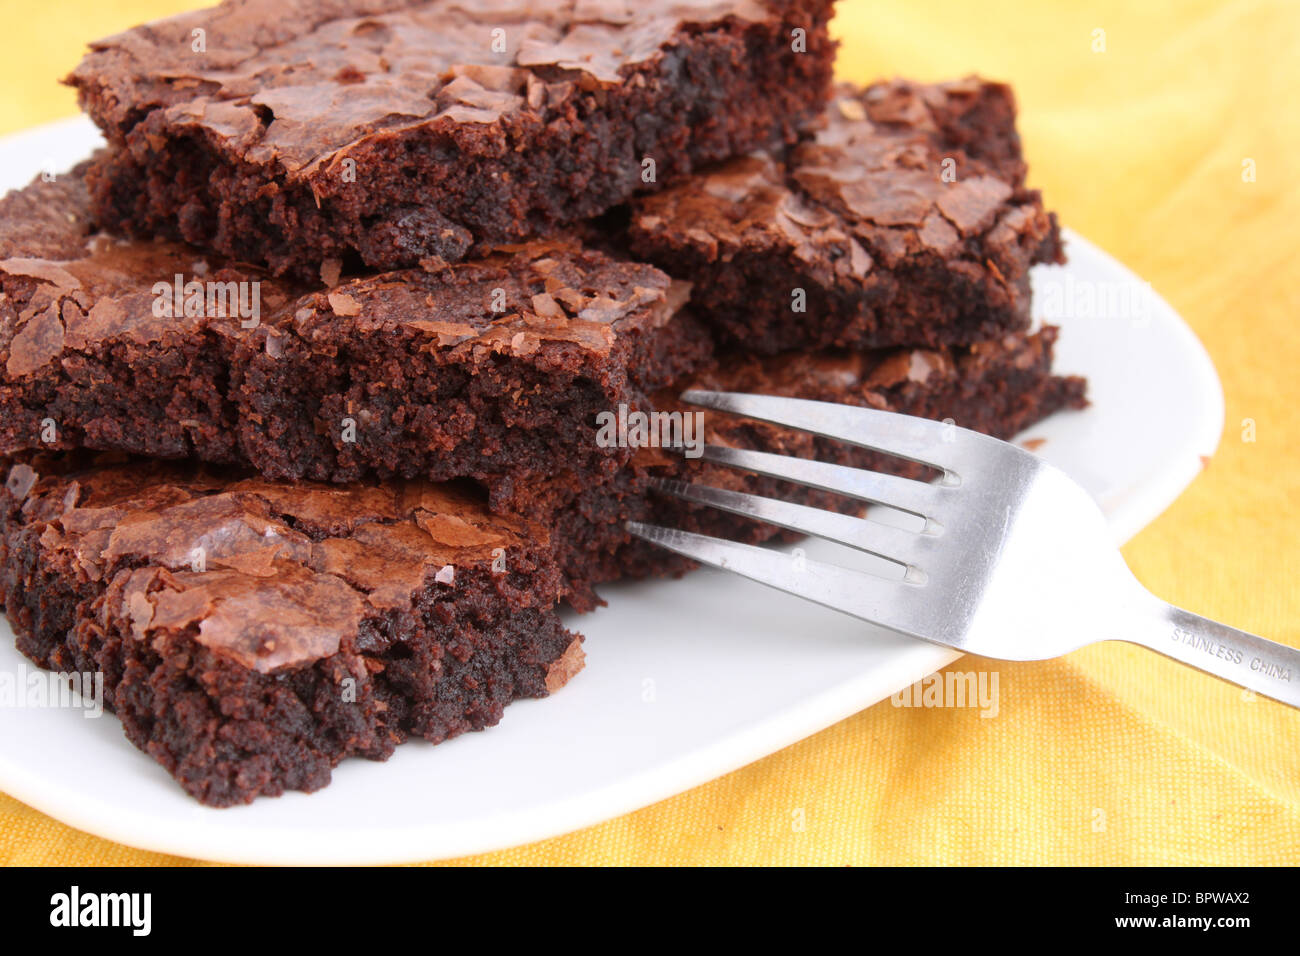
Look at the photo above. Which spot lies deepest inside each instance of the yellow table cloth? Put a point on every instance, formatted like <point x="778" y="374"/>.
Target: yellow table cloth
<point x="1137" y="121"/>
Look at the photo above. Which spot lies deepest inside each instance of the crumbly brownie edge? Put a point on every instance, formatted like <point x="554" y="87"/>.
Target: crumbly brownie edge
<point x="930" y="301"/>
<point x="229" y="732"/>
<point x="778" y="263"/>
<point x="502" y="419"/>
<point x="718" y="90"/>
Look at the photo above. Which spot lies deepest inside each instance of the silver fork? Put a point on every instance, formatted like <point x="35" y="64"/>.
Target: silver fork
<point x="1013" y="560"/>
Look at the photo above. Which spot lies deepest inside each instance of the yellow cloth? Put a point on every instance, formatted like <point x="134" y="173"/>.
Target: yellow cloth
<point x="1113" y="755"/>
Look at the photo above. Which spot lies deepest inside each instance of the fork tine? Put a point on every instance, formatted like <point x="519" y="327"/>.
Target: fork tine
<point x="918" y="439"/>
<point x="905" y="494"/>
<point x="892" y="544"/>
<point x="881" y="601"/>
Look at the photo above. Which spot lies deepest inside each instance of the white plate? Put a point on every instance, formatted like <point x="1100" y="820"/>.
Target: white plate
<point x="685" y="680"/>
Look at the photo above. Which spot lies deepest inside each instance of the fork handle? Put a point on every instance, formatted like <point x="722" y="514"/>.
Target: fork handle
<point x="1263" y="666"/>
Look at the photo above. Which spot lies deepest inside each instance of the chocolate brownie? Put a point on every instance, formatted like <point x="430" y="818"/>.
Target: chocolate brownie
<point x="390" y="131"/>
<point x="903" y="221"/>
<point x="252" y="634"/>
<point x="492" y="369"/>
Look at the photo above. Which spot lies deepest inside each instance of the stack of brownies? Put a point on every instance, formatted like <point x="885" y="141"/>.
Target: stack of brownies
<point x="314" y="382"/>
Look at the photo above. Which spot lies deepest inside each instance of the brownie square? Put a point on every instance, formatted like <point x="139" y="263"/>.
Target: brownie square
<point x="491" y="369"/>
<point x="389" y="131"/>
<point x="903" y="221"/>
<point x="252" y="634"/>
